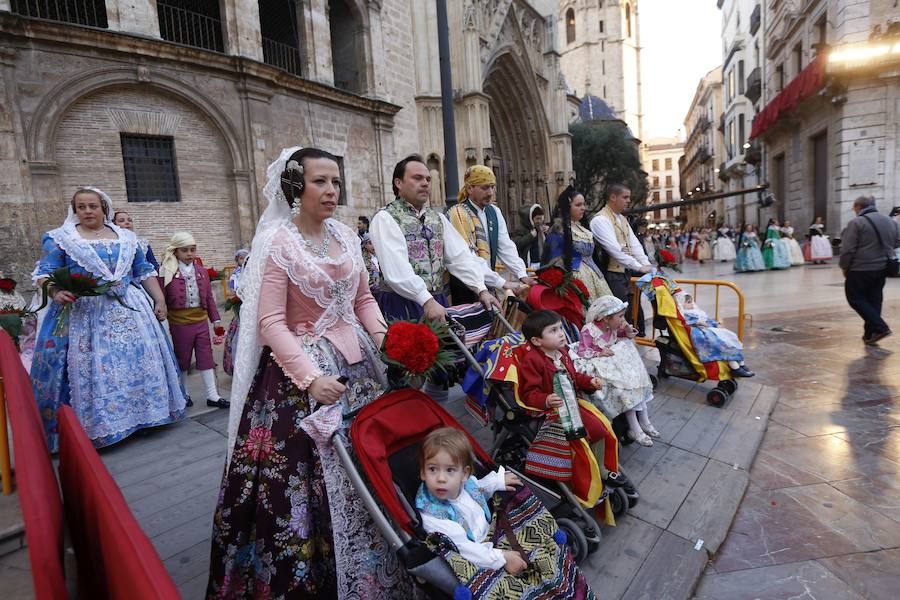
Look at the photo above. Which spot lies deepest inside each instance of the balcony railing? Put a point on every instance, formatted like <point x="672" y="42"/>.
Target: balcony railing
<point x="281" y="55"/>
<point x="190" y="28"/>
<point x="80" y="12"/>
<point x="754" y="85"/>
<point x="755" y="19"/>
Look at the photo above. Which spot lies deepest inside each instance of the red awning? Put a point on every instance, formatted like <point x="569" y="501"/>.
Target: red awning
<point x="808" y="82"/>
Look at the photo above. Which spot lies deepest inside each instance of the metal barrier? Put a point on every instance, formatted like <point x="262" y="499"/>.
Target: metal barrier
<point x="695" y="282"/>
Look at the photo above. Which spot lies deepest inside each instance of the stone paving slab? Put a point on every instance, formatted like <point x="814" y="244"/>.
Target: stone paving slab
<point x="171" y="476"/>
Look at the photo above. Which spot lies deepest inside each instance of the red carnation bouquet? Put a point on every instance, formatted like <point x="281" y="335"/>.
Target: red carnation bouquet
<point x="80" y="286"/>
<point x="7" y="284"/>
<point x="233" y="304"/>
<point x="667" y="259"/>
<point x="213" y="274"/>
<point x="565" y="284"/>
<point x="418" y="348"/>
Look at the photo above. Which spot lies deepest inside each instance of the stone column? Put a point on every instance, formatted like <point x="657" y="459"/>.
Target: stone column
<point x="131" y="16"/>
<point x="242" y="30"/>
<point x="318" y="40"/>
<point x="376" y="76"/>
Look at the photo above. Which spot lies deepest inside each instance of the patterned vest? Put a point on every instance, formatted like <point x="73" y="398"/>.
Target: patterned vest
<point x="622" y="237"/>
<point x="424" y="244"/>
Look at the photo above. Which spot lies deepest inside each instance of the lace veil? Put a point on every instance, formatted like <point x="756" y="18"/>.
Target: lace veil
<point x="248" y="351"/>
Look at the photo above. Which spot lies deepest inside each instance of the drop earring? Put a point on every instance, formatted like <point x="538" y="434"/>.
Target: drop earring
<point x="295" y="207"/>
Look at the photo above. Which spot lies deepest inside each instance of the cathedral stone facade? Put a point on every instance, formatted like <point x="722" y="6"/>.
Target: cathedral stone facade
<point x="176" y="107"/>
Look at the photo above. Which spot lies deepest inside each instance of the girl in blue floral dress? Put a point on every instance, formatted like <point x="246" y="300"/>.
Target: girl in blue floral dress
<point x="113" y="365"/>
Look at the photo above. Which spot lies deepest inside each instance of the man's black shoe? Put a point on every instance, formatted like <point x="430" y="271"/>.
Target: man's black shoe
<point x="220" y="403"/>
<point x="188" y="402"/>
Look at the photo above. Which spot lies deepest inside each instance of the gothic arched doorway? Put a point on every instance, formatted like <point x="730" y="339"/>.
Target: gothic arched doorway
<point x="519" y="135"/>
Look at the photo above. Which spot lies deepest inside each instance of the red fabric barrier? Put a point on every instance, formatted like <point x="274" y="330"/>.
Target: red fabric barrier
<point x="115" y="557"/>
<point x="37" y="487"/>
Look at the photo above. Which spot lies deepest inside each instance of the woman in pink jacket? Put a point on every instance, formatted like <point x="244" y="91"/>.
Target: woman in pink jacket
<point x="288" y="523"/>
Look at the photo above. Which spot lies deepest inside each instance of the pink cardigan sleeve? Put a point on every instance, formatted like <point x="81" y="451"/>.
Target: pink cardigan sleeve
<point x="273" y="329"/>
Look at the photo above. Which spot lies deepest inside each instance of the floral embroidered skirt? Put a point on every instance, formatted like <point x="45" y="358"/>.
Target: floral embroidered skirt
<point x="288" y="523"/>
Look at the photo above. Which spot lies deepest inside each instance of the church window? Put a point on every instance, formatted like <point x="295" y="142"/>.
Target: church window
<point x="150" y="171"/>
<point x="80" y="12"/>
<point x="196" y="23"/>
<point x="570" y="26"/>
<point x="628" y="20"/>
<point x="601" y="26"/>
<point x="281" y="35"/>
<point x="346" y="36"/>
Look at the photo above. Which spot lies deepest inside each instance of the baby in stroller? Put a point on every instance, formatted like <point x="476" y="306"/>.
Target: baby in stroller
<point x="550" y="385"/>
<point x="453" y="502"/>
<point x="711" y="341"/>
<point x="607" y="351"/>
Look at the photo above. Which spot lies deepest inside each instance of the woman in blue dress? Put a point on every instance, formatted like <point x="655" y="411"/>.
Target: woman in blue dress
<point x="571" y="242"/>
<point x="113" y="365"/>
<point x="775" y="254"/>
<point x="749" y="257"/>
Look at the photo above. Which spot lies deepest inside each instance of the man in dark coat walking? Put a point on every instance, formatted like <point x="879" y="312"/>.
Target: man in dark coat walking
<point x="866" y="246"/>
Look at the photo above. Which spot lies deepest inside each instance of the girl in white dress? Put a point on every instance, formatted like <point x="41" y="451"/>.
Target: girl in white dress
<point x="819" y="246"/>
<point x="607" y="351"/>
<point x="794" y="250"/>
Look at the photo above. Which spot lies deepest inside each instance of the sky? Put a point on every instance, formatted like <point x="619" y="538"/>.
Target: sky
<point x="682" y="42"/>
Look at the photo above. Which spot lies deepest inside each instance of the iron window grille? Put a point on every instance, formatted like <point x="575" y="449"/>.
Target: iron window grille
<point x="151" y="174"/>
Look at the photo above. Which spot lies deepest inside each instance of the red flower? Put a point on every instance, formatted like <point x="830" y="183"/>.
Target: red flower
<point x="78" y="276"/>
<point x="213" y="274"/>
<point x="7" y="284"/>
<point x="553" y="277"/>
<point x="667" y="256"/>
<point x="413" y="345"/>
<point x="219" y="330"/>
<point x="581" y="287"/>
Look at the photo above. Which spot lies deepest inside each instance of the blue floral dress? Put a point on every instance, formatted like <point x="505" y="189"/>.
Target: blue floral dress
<point x="583" y="266"/>
<point x="114" y="366"/>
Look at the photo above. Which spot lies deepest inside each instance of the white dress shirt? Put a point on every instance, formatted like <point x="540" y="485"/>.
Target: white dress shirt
<point x="507" y="253"/>
<point x="392" y="253"/>
<point x="631" y="257"/>
<point x="482" y="554"/>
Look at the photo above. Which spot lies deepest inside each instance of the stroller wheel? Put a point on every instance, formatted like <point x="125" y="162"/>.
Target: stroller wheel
<point x="729" y="386"/>
<point x="618" y="502"/>
<point x="590" y="524"/>
<point x="716" y="397"/>
<point x="574" y="538"/>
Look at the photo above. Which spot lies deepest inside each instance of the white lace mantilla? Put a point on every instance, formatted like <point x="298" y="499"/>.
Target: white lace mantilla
<point x="335" y="297"/>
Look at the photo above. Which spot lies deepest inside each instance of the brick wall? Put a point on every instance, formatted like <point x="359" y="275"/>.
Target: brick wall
<point x="88" y="150"/>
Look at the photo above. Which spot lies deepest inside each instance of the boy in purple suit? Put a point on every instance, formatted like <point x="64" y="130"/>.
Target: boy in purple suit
<point x="190" y="303"/>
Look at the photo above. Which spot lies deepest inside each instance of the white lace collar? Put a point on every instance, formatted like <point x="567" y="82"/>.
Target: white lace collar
<point x="82" y="251"/>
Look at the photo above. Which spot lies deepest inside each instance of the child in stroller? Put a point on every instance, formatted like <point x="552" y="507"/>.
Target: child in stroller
<point x="711" y="341"/>
<point x="453" y="502"/>
<point x="386" y="436"/>
<point x="607" y="350"/>
<point x="550" y="386"/>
